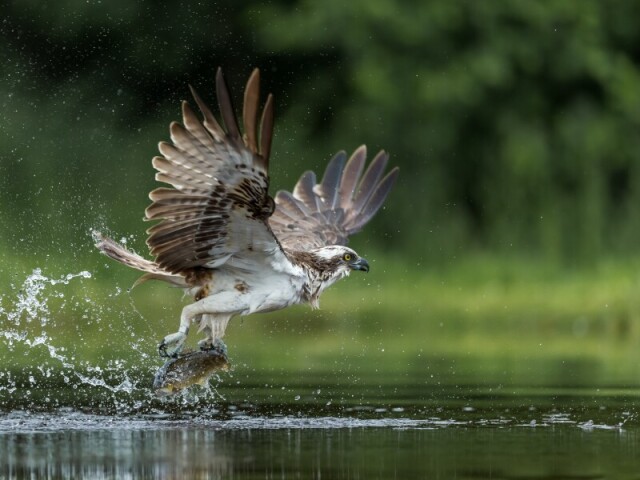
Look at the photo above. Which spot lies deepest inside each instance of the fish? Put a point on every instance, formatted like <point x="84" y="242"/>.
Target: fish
<point x="187" y="369"/>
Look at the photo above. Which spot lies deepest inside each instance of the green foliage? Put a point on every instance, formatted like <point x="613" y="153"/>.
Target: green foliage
<point x="516" y="120"/>
<point x="515" y="124"/>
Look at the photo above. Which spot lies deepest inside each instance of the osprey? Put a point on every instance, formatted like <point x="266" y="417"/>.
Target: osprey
<point x="222" y="237"/>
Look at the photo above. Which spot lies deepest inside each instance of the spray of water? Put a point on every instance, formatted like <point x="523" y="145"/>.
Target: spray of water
<point x="32" y="306"/>
<point x="29" y="318"/>
<point x="27" y="321"/>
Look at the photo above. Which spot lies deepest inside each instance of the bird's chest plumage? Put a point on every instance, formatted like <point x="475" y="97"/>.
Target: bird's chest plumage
<point x="258" y="291"/>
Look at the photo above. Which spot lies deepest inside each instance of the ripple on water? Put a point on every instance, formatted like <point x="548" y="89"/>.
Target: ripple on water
<point x="73" y="420"/>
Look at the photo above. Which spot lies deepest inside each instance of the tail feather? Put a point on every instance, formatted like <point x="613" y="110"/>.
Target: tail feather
<point x="119" y="253"/>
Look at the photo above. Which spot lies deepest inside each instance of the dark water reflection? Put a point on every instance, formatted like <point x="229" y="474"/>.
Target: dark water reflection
<point x="272" y="425"/>
<point x="359" y="444"/>
<point x="324" y="429"/>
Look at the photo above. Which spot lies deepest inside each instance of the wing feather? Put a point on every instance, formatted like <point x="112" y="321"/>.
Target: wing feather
<point x="303" y="191"/>
<point x="217" y="204"/>
<point x="226" y="107"/>
<point x="351" y="175"/>
<point x="250" y="111"/>
<point x="370" y="180"/>
<point x="266" y="131"/>
<point x="286" y="203"/>
<point x="210" y="122"/>
<point x="315" y="215"/>
<point x="375" y="201"/>
<point x="328" y="190"/>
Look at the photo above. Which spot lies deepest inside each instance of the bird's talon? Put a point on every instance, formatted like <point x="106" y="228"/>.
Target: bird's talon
<point x="216" y="346"/>
<point x="205" y="345"/>
<point x="219" y="346"/>
<point x="171" y="345"/>
<point x="162" y="351"/>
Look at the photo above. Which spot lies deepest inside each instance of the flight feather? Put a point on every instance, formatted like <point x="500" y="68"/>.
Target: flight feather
<point x="219" y="202"/>
<point x="327" y="213"/>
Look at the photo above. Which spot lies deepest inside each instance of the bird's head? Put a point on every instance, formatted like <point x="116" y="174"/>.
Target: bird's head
<point x="339" y="260"/>
<point x="326" y="265"/>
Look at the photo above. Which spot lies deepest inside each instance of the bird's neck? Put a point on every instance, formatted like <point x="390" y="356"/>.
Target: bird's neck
<point x="320" y="273"/>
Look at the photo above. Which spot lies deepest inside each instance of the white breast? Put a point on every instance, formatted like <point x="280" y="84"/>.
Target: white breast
<point x="261" y="286"/>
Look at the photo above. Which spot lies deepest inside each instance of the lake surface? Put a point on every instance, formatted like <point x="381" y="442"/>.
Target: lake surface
<point x="199" y="435"/>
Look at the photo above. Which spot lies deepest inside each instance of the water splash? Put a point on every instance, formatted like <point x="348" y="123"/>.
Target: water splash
<point x="125" y="386"/>
<point x="45" y="370"/>
<point x="28" y="322"/>
<point x="32" y="306"/>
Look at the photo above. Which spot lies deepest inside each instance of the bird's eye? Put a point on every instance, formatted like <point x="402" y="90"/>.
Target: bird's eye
<point x="347" y="257"/>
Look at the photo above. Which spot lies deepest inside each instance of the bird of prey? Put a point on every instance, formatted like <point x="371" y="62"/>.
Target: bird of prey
<point x="224" y="239"/>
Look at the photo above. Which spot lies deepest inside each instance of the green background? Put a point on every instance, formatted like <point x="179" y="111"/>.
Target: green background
<point x="507" y="253"/>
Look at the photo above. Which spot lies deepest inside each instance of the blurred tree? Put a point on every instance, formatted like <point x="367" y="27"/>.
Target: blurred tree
<point x="515" y="123"/>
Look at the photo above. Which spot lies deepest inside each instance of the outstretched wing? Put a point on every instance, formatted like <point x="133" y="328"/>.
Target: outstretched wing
<point x="219" y="204"/>
<point x="327" y="213"/>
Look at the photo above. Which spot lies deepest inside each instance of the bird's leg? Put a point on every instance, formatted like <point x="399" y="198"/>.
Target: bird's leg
<point x="171" y="345"/>
<point x="214" y="327"/>
<point x="216" y="311"/>
<point x="206" y="343"/>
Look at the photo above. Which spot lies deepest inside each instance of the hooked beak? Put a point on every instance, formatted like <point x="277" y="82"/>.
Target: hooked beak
<point x="360" y="264"/>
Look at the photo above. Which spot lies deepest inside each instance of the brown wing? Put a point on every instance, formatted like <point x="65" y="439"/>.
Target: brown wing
<point x="219" y="204"/>
<point x="327" y="213"/>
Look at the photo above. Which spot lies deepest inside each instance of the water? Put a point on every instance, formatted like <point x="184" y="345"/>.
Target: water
<point x="243" y="443"/>
<point x="69" y="412"/>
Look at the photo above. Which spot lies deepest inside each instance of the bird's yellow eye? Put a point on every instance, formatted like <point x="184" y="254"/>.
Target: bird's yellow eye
<point x="347" y="257"/>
